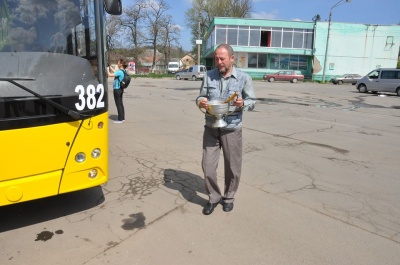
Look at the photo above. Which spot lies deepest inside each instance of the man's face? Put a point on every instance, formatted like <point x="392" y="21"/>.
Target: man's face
<point x="223" y="61"/>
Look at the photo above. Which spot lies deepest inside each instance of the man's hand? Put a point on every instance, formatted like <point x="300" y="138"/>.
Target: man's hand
<point x="238" y="102"/>
<point x="203" y="103"/>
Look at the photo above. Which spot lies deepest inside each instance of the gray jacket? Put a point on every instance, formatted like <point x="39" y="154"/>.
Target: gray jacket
<point x="216" y="87"/>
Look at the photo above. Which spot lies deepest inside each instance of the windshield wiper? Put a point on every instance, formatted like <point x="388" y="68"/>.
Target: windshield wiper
<point x="73" y="114"/>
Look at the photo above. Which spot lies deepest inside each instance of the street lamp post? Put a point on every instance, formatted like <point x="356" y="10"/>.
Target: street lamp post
<point x="327" y="38"/>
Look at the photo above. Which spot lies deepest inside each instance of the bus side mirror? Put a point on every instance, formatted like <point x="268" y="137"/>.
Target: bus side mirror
<point x="113" y="7"/>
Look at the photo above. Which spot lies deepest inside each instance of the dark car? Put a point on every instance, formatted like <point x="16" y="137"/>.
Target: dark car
<point x="347" y="78"/>
<point x="286" y="75"/>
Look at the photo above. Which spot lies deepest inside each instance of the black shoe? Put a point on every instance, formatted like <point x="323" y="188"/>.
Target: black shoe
<point x="209" y="208"/>
<point x="228" y="206"/>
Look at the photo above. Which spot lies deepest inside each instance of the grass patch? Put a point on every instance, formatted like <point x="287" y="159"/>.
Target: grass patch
<point x="152" y="75"/>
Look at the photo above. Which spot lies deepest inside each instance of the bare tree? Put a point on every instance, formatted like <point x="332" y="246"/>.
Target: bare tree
<point x="155" y="18"/>
<point x="112" y="30"/>
<point x="169" y="35"/>
<point x="204" y="11"/>
<point x="144" y="24"/>
<point x="132" y="22"/>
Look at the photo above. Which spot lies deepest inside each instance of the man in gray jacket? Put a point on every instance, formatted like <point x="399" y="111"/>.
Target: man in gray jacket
<point x="219" y="84"/>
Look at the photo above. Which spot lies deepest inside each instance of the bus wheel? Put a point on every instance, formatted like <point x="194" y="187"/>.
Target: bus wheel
<point x="398" y="91"/>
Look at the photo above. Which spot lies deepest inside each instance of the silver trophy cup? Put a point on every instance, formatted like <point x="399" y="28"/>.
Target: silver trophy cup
<point x="218" y="109"/>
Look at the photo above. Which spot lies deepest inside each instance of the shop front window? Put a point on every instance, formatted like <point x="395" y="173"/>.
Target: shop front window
<point x="252" y="60"/>
<point x="274" y="63"/>
<point x="262" y="61"/>
<point x="284" y="61"/>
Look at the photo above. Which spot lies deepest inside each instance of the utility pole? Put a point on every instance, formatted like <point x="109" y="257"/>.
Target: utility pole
<point x="198" y="46"/>
<point x="327" y="38"/>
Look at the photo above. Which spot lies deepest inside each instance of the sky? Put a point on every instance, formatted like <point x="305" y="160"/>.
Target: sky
<point x="381" y="12"/>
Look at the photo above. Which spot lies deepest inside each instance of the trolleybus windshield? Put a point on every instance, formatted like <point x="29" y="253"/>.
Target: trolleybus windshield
<point x="53" y="97"/>
<point x="48" y="47"/>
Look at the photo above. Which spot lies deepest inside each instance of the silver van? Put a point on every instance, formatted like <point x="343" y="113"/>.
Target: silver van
<point x="193" y="72"/>
<point x="380" y="80"/>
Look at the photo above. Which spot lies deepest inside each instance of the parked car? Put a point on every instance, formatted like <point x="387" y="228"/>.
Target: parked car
<point x="347" y="78"/>
<point x="179" y="73"/>
<point x="286" y="75"/>
<point x="194" y="72"/>
<point x="380" y="80"/>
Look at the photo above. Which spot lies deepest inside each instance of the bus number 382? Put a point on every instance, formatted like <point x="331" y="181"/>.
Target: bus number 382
<point x="90" y="100"/>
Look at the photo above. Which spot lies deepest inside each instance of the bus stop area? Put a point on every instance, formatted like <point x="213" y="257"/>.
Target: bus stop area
<point x="320" y="185"/>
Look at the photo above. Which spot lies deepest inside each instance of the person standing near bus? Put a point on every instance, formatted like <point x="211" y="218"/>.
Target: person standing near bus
<point x="118" y="91"/>
<point x="221" y="83"/>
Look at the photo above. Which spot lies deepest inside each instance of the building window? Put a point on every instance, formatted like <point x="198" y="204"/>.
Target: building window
<point x="262" y="60"/>
<point x="286" y="62"/>
<point x="233" y="37"/>
<point x="276" y="39"/>
<point x="262" y="37"/>
<point x="220" y="36"/>
<point x="265" y="39"/>
<point x="252" y="60"/>
<point x="298" y="40"/>
<point x="274" y="61"/>
<point x="243" y="37"/>
<point x="210" y="40"/>
<point x="308" y="40"/>
<point x="255" y="60"/>
<point x="287" y="38"/>
<point x="255" y="37"/>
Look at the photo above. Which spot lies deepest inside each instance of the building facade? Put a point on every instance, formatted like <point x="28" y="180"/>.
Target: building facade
<point x="266" y="46"/>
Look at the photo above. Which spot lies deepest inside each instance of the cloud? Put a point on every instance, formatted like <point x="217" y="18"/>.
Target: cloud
<point x="265" y="15"/>
<point x="179" y="27"/>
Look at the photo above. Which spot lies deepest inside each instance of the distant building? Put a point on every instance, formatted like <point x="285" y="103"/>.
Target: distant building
<point x="266" y="46"/>
<point x="146" y="61"/>
<point x="188" y="61"/>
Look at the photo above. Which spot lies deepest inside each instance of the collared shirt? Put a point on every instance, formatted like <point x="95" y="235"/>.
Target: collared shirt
<point x="217" y="87"/>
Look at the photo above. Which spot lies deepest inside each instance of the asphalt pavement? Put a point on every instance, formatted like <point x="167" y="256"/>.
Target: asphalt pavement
<point x="319" y="185"/>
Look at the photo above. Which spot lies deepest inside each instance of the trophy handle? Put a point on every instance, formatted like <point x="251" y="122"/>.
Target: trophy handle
<point x="204" y="112"/>
<point x="229" y="113"/>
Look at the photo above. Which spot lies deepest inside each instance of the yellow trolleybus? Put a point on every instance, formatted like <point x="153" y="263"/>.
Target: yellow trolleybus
<point x="53" y="97"/>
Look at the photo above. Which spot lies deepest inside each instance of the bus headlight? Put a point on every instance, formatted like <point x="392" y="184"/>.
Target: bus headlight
<point x="93" y="173"/>
<point x="80" y="157"/>
<point x="96" y="153"/>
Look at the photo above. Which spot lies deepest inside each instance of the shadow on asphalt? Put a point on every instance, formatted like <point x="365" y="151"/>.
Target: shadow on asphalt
<point x="23" y="214"/>
<point x="188" y="184"/>
<point x="113" y="117"/>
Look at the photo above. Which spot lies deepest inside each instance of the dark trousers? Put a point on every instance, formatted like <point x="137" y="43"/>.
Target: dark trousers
<point x="118" y="102"/>
<point x="231" y="144"/>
